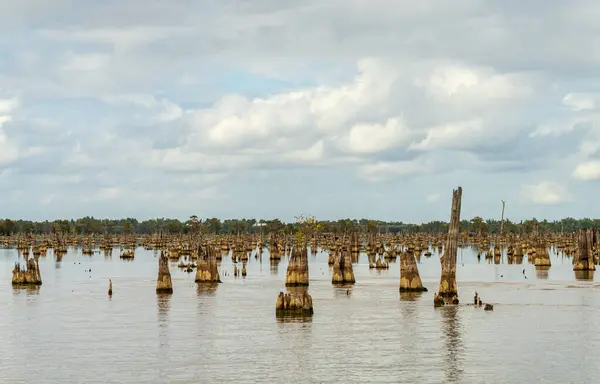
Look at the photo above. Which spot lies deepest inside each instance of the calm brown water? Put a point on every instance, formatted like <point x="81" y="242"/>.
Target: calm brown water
<point x="542" y="328"/>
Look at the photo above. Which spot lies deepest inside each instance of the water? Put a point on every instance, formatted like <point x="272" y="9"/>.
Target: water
<point x="542" y="328"/>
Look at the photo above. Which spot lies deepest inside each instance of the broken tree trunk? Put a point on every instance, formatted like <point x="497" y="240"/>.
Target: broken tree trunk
<point x="584" y="259"/>
<point x="295" y="303"/>
<point x="448" y="288"/>
<point x="410" y="281"/>
<point x="207" y="270"/>
<point x="30" y="275"/>
<point x="502" y="220"/>
<point x="542" y="258"/>
<point x="342" y="269"/>
<point x="297" y="271"/>
<point x="163" y="282"/>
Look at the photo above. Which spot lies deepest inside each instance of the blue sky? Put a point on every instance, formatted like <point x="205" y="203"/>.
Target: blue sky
<point x="269" y="109"/>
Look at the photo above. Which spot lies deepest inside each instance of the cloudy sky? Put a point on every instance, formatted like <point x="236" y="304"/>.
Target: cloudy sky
<point x="268" y="108"/>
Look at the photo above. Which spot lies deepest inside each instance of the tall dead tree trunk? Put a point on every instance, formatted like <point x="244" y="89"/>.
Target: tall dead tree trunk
<point x="502" y="219"/>
<point x="448" y="289"/>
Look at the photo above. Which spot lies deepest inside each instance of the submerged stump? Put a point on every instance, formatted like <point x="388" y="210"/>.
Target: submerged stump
<point x="30" y="275"/>
<point x="410" y="281"/>
<point x="294" y="304"/>
<point x="163" y="282"/>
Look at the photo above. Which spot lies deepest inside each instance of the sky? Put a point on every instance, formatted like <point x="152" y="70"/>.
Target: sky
<point x="264" y="108"/>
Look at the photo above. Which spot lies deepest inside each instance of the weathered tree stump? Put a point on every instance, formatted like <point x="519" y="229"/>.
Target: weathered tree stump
<point x="294" y="304"/>
<point x="207" y="270"/>
<point x="331" y="258"/>
<point x="297" y="271"/>
<point x="30" y="275"/>
<point x="410" y="281"/>
<point x="342" y="269"/>
<point x="448" y="288"/>
<point x="541" y="258"/>
<point x="163" y="282"/>
<point x="584" y="258"/>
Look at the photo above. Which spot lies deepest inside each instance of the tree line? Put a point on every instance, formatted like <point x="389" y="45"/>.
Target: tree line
<point x="89" y="225"/>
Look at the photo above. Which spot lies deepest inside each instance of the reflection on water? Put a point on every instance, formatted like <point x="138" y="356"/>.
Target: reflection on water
<point x="366" y="333"/>
<point x="206" y="289"/>
<point x="293" y="319"/>
<point x="342" y="290"/>
<point x="452" y="343"/>
<point x="410" y="296"/>
<point x="163" y="304"/>
<point x="26" y="289"/>
<point x="274" y="266"/>
<point x="584" y="275"/>
<point x="542" y="272"/>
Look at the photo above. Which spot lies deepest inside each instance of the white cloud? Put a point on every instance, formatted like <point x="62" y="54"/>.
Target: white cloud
<point x="557" y="128"/>
<point x="452" y="135"/>
<point x="477" y="84"/>
<point x="579" y="101"/>
<point x="432" y="197"/>
<point x="587" y="171"/>
<point x="546" y="193"/>
<point x="8" y="105"/>
<point x="382" y="91"/>
<point x="370" y="138"/>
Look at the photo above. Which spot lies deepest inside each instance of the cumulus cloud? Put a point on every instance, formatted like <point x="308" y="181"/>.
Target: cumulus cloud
<point x="139" y="105"/>
<point x="587" y="171"/>
<point x="546" y="193"/>
<point x="579" y="101"/>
